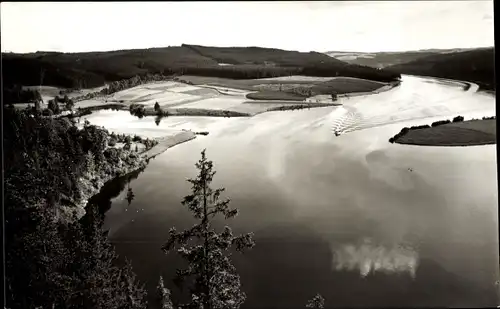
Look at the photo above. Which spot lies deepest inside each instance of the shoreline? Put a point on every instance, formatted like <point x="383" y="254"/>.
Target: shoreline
<point x="91" y="184"/>
<point x="167" y="142"/>
<point x="466" y="85"/>
<point x="88" y="190"/>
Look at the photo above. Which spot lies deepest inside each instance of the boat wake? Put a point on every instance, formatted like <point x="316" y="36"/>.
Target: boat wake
<point x="345" y="119"/>
<point x="412" y="101"/>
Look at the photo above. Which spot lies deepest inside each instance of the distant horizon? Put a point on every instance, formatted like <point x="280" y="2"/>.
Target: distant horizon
<point x="321" y="26"/>
<point x="328" y="51"/>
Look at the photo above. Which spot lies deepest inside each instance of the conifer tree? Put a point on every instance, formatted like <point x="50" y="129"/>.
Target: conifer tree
<point x="317" y="302"/>
<point x="164" y="295"/>
<point x="216" y="283"/>
<point x="70" y="104"/>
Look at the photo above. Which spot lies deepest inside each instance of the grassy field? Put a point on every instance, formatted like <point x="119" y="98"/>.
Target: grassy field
<point x="249" y="84"/>
<point x="486" y="126"/>
<point x="275" y="95"/>
<point x="215" y="96"/>
<point x="222" y="103"/>
<point x="344" y="85"/>
<point x="240" y="96"/>
<point x="466" y="133"/>
<point x="181" y="99"/>
<point x="302" y="86"/>
<point x="217" y="82"/>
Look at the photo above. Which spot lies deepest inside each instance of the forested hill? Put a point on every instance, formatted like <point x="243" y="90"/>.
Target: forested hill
<point x="86" y="70"/>
<point x="261" y="56"/>
<point x="386" y="59"/>
<point x="477" y="66"/>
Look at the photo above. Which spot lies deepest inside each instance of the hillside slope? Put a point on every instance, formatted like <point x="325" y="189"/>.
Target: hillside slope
<point x="385" y="59"/>
<point x="261" y="56"/>
<point x="477" y="66"/>
<point x="86" y="70"/>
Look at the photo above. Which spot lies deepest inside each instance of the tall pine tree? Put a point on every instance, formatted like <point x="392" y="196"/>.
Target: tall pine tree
<point x="216" y="283"/>
<point x="164" y="295"/>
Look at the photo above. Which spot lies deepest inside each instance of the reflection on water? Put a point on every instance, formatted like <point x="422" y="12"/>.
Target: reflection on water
<point x="130" y="195"/>
<point x="368" y="257"/>
<point x="112" y="189"/>
<point x="343" y="216"/>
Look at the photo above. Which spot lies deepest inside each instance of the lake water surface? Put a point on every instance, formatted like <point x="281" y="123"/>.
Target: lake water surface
<point x="355" y="218"/>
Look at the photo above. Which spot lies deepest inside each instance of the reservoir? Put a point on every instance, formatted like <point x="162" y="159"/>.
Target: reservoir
<point x="352" y="217"/>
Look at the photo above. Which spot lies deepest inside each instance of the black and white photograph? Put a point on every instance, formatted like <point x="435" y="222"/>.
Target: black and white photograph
<point x="249" y="155"/>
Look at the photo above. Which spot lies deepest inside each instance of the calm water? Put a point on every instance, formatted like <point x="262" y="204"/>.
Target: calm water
<point x="359" y="220"/>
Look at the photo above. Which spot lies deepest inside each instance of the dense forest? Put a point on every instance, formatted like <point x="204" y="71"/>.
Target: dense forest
<point x="52" y="259"/>
<point x="476" y="66"/>
<point x="260" y="55"/>
<point x="87" y="70"/>
<point x="16" y="94"/>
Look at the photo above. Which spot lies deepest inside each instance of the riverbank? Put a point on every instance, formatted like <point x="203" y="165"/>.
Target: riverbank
<point x="92" y="182"/>
<point x="164" y="143"/>
<point x="149" y="111"/>
<point x="301" y="106"/>
<point x="120" y="162"/>
<point x="466" y="85"/>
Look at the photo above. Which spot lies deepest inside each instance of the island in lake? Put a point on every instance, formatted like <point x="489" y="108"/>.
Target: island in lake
<point x="458" y="132"/>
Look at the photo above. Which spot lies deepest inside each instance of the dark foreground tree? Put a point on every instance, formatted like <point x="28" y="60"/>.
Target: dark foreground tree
<point x="52" y="262"/>
<point x="216" y="285"/>
<point x="164" y="295"/>
<point x="67" y="266"/>
<point x="104" y="283"/>
<point x="54" y="106"/>
<point x="70" y="104"/>
<point x="317" y="302"/>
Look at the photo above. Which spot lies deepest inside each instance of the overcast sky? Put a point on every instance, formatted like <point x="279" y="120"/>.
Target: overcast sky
<point x="303" y="26"/>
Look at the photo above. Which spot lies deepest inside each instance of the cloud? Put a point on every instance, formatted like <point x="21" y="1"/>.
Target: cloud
<point x="353" y="26"/>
